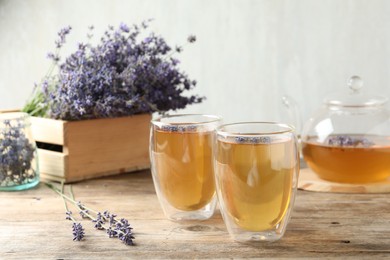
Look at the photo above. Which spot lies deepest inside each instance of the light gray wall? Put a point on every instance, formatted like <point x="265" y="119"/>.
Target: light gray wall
<point x="248" y="54"/>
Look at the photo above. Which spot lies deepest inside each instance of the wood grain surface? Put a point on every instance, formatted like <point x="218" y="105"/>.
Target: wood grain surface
<point x="33" y="226"/>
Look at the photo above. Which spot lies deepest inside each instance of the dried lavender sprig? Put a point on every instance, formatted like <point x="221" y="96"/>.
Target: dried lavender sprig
<point x="120" y="229"/>
<point x="78" y="230"/>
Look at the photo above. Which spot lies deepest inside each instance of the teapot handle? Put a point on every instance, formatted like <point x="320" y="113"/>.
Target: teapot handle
<point x="292" y="110"/>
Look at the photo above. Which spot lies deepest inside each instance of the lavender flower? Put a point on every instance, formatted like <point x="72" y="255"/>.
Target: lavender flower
<point x="124" y="232"/>
<point x="110" y="217"/>
<point x="68" y="215"/>
<point x="78" y="232"/>
<point x="127" y="238"/>
<point x="111" y="232"/>
<point x="53" y="57"/>
<point x="124" y="27"/>
<point x="191" y="38"/>
<point x="99" y="221"/>
<point x="62" y="35"/>
<point x="84" y="213"/>
<point x="80" y="205"/>
<point x="122" y="75"/>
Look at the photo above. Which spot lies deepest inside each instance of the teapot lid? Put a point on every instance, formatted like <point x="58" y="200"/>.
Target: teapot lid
<point x="355" y="97"/>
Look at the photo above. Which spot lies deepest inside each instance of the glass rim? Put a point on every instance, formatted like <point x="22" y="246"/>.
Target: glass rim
<point x="159" y="123"/>
<point x="284" y="128"/>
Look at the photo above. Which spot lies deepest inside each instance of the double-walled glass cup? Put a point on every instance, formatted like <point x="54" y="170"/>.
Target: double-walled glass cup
<point x="181" y="148"/>
<point x="256" y="171"/>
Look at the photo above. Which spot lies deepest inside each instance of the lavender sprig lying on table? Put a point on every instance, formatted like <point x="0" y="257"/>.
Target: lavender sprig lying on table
<point x="126" y="73"/>
<point x="107" y="221"/>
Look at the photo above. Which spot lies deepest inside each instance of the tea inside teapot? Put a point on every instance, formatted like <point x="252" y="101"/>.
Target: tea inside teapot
<point x="349" y="158"/>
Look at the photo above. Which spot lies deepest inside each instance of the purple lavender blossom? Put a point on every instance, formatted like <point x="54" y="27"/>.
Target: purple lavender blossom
<point x="84" y="213"/>
<point x="124" y="27"/>
<point x="99" y="221"/>
<point x="127" y="238"/>
<point x="68" y="215"/>
<point x="191" y="38"/>
<point x="111" y="233"/>
<point x="124" y="232"/>
<point x="62" y="36"/>
<point x="80" y="205"/>
<point x="78" y="231"/>
<point x="53" y="57"/>
<point x="110" y="217"/>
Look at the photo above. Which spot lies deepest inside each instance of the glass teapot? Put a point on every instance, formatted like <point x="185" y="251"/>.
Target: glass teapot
<point x="348" y="139"/>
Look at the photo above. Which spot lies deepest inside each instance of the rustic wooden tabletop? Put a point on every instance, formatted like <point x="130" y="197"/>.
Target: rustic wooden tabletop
<point x="33" y="225"/>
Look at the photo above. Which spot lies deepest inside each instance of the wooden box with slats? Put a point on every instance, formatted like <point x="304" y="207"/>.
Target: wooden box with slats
<point x="76" y="150"/>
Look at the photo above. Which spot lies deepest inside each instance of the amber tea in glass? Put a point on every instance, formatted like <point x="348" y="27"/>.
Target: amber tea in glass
<point x="256" y="173"/>
<point x="181" y="154"/>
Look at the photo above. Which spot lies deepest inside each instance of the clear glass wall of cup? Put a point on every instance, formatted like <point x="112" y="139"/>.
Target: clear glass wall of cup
<point x="182" y="165"/>
<point x="256" y="170"/>
<point x="18" y="154"/>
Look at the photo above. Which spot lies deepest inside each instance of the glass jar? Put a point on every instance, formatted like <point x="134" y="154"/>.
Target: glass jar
<point x="18" y="154"/>
<point x="348" y="139"/>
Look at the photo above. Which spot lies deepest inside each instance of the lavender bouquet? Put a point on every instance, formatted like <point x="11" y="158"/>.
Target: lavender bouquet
<point x="124" y="74"/>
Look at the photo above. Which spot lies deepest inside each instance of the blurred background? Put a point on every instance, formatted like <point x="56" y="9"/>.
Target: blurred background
<point x="248" y="54"/>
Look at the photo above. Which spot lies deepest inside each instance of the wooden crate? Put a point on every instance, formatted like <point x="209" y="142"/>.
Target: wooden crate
<point x="91" y="148"/>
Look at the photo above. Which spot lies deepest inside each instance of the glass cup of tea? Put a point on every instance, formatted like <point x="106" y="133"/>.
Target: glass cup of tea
<point x="256" y="172"/>
<point x="181" y="149"/>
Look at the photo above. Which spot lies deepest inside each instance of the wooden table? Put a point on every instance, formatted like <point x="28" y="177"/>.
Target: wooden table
<point x="33" y="225"/>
